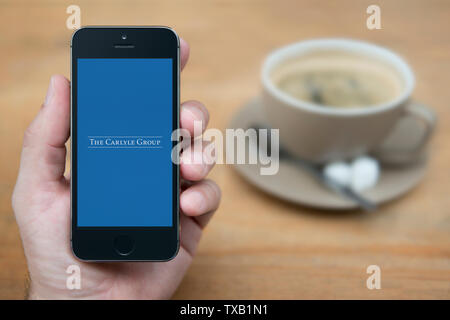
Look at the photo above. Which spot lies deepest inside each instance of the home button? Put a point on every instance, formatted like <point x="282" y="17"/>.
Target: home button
<point x="124" y="245"/>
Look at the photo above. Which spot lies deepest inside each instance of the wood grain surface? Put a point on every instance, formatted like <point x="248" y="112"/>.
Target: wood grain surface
<point x="257" y="246"/>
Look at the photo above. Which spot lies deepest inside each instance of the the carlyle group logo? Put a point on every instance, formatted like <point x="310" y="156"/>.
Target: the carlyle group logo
<point x="124" y="142"/>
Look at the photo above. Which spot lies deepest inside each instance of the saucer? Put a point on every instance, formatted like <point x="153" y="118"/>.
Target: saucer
<point x="294" y="184"/>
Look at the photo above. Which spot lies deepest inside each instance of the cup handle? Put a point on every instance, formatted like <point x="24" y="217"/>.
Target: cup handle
<point x="422" y="114"/>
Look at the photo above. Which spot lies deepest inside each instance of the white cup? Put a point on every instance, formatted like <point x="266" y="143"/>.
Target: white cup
<point x="321" y="134"/>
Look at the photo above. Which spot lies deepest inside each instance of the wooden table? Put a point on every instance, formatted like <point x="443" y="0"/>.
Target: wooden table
<point x="257" y="246"/>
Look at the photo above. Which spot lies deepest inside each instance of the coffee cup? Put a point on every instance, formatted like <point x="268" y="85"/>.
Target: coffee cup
<point x="336" y="99"/>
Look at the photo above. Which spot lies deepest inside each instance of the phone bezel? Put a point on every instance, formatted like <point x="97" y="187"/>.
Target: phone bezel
<point x="151" y="243"/>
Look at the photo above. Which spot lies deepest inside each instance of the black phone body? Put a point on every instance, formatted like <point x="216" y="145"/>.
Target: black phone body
<point x="124" y="108"/>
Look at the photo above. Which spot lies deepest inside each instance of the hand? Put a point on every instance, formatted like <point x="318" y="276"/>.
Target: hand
<point x="41" y="202"/>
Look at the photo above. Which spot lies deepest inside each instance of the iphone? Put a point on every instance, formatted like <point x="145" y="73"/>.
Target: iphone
<point x="124" y="109"/>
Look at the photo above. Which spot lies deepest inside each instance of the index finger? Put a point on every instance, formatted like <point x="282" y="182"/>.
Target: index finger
<point x="184" y="52"/>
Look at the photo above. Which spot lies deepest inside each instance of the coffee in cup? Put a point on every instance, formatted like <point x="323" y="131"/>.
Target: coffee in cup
<point x="338" y="79"/>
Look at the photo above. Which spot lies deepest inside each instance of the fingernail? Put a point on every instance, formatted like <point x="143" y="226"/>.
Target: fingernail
<point x="197" y="200"/>
<point x="50" y="92"/>
<point x="196" y="114"/>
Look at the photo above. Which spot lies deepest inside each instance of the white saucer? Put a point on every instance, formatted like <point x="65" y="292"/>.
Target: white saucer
<point x="292" y="183"/>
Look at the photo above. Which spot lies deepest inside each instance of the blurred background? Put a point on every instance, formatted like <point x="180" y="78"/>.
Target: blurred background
<point x="257" y="246"/>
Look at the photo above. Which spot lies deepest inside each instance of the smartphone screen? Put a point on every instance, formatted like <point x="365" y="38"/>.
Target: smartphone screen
<point x="125" y="108"/>
<point x="124" y="142"/>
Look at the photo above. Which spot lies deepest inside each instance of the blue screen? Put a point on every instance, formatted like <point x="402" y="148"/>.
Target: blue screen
<point x="124" y="127"/>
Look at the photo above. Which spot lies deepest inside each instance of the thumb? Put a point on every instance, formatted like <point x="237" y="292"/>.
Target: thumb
<point x="44" y="153"/>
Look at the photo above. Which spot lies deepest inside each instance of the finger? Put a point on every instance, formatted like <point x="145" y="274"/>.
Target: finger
<point x="184" y="55"/>
<point x="190" y="235"/>
<point x="194" y="113"/>
<point x="197" y="160"/>
<point x="44" y="153"/>
<point x="200" y="201"/>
